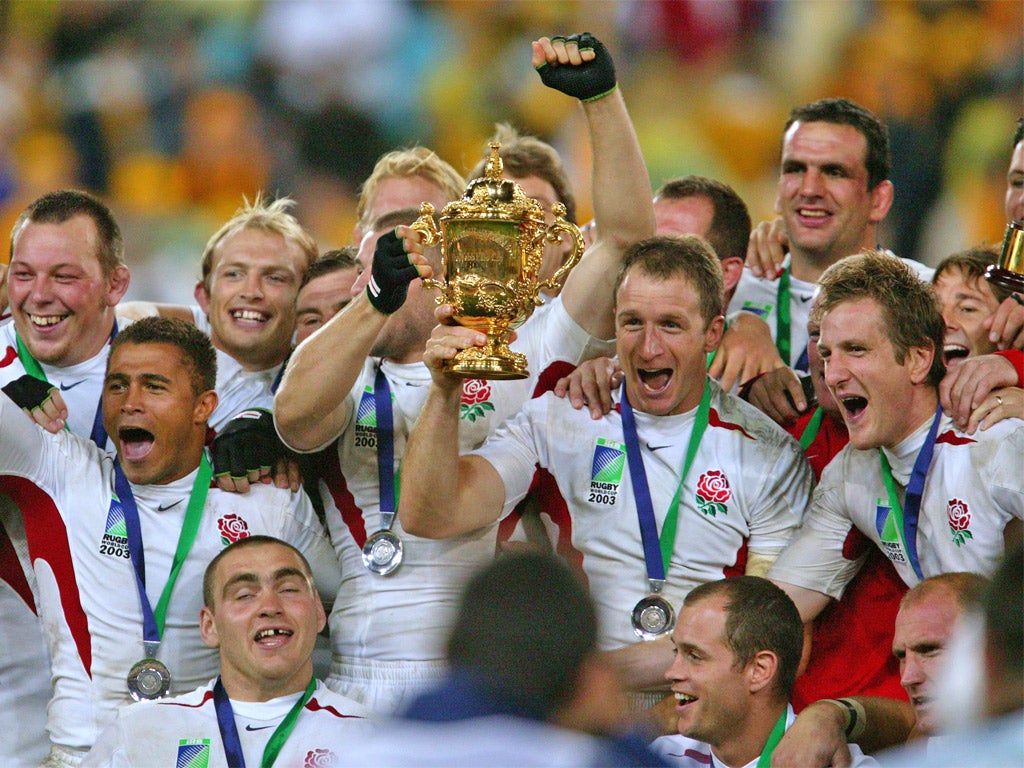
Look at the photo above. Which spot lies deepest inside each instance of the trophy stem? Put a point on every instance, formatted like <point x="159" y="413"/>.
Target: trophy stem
<point x="494" y="360"/>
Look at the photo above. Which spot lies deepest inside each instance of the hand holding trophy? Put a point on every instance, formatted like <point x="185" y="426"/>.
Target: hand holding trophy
<point x="492" y="242"/>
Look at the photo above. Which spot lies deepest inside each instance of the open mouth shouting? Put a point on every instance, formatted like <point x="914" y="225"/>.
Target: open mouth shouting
<point x="135" y="443"/>
<point x="952" y="354"/>
<point x="853" y="406"/>
<point x="272" y="637"/>
<point x="654" y="380"/>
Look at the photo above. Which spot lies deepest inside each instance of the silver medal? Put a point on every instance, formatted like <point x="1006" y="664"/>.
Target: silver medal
<point x="148" y="679"/>
<point x="652" y="617"/>
<point x="382" y="553"/>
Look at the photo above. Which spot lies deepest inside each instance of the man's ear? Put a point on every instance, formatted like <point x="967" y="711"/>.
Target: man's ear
<point x="204" y="406"/>
<point x="762" y="670"/>
<point x="207" y="628"/>
<point x="919" y="363"/>
<point x="732" y="270"/>
<point x="881" y="201"/>
<point x="713" y="334"/>
<point x="202" y="297"/>
<point x="117" y="284"/>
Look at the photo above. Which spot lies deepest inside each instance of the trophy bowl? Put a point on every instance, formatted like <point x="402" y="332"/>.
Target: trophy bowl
<point x="492" y="247"/>
<point x="1009" y="272"/>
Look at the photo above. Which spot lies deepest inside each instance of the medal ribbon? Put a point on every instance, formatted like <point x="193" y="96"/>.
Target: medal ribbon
<point x="385" y="450"/>
<point x="229" y="731"/>
<point x="657" y="562"/>
<point x="153" y="621"/>
<point x="773" y="741"/>
<point x="782" y="321"/>
<point x="32" y="368"/>
<point x="906" y="516"/>
<point x="811" y="429"/>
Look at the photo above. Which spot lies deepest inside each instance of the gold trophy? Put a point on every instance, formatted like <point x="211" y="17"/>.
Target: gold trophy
<point x="492" y="245"/>
<point x="1009" y="273"/>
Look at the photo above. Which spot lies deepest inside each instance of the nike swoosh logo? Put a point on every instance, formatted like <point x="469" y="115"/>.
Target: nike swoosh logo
<point x="260" y="728"/>
<point x="66" y="387"/>
<point x="656" y="447"/>
<point x="163" y="508"/>
<point x="805" y="299"/>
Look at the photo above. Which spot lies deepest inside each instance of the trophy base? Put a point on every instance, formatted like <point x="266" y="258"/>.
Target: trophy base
<point x="477" y="363"/>
<point x="1005" y="279"/>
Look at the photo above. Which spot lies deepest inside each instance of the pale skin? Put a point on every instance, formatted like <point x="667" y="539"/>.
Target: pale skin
<point x="309" y="416"/>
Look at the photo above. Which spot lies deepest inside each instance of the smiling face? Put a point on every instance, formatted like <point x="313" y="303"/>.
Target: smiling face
<point x="62" y="304"/>
<point x="264" y="621"/>
<point x="923" y="627"/>
<point x="823" y="194"/>
<point x="882" y="400"/>
<point x="712" y="690"/>
<point x="966" y="303"/>
<point x="250" y="301"/>
<point x="321" y="299"/>
<point x="662" y="342"/>
<point x="151" y="411"/>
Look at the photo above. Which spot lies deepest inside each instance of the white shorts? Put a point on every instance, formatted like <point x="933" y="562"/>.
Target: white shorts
<point x="384" y="686"/>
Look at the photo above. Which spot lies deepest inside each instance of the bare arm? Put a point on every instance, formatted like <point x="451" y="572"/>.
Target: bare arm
<point x="643" y="665"/>
<point x="623" y="209"/>
<point x="443" y="494"/>
<point x="311" y="405"/>
<point x="809" y="602"/>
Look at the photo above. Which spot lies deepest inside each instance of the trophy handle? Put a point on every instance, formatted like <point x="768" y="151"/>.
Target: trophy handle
<point x="572" y="258"/>
<point x="431" y="236"/>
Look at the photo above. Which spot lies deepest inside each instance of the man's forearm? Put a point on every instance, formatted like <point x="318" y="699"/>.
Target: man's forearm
<point x="309" y="408"/>
<point x="642" y="665"/>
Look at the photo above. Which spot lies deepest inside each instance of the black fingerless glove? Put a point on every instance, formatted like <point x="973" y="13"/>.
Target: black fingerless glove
<point x="390" y="275"/>
<point x="28" y="391"/>
<point x="247" y="443"/>
<point x="589" y="81"/>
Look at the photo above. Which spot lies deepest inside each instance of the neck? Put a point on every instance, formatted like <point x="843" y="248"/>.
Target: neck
<point x="255" y="360"/>
<point x="749" y="738"/>
<point x="921" y="410"/>
<point x="238" y="687"/>
<point x="809" y="266"/>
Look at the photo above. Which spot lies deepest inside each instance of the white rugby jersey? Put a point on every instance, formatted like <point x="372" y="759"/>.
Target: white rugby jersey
<point x="24" y="660"/>
<point x="974" y="487"/>
<point x="406" y="615"/>
<point x="237" y="389"/>
<point x="87" y="595"/>
<point x="684" y="752"/>
<point x="745" y="492"/>
<point x="182" y="731"/>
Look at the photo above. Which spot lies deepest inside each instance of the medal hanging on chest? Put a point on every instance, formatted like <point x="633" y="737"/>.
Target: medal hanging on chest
<point x="150" y="678"/>
<point x="382" y="552"/>
<point x="653" y="615"/>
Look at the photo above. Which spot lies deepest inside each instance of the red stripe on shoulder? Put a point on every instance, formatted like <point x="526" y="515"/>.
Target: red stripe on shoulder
<point x="208" y="696"/>
<point x="11" y="571"/>
<point x="315" y="706"/>
<point x="714" y="420"/>
<point x="951" y="437"/>
<point x="550" y="376"/>
<point x="48" y="541"/>
<point x="351" y="514"/>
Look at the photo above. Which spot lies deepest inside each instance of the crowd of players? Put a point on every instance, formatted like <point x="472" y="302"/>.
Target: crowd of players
<point x="158" y="541"/>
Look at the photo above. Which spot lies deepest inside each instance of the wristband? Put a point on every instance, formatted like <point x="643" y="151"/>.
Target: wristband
<point x="856" y="717"/>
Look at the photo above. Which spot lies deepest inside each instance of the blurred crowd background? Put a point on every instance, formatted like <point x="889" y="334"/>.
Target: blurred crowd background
<point x="172" y="110"/>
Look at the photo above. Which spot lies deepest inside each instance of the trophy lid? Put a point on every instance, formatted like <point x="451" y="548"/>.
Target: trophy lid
<point x="492" y="197"/>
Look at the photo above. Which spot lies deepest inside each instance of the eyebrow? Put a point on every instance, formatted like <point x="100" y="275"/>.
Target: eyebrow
<point x="147" y="377"/>
<point x="251" y="578"/>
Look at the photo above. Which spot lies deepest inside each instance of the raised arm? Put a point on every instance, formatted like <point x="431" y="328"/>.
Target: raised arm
<point x="581" y="66"/>
<point x="443" y="494"/>
<point x="311" y="405"/>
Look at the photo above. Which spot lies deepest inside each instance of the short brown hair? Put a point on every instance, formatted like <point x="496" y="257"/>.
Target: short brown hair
<point x="687" y="256"/>
<point x="909" y="306"/>
<point x="729" y="231"/>
<point x="249" y="541"/>
<point x="57" y="207"/>
<point x="972" y="263"/>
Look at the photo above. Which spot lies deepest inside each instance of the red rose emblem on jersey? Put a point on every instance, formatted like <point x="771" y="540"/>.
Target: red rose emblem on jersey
<point x="713" y="492"/>
<point x="476" y="396"/>
<point x="320" y="758"/>
<point x="959" y="521"/>
<point x="232" y="529"/>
